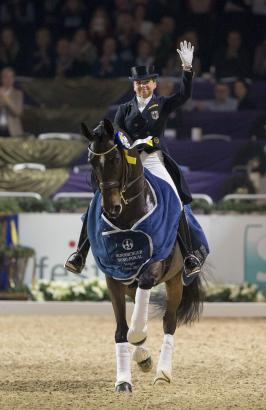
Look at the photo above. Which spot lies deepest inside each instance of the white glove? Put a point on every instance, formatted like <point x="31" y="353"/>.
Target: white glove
<point x="186" y="54"/>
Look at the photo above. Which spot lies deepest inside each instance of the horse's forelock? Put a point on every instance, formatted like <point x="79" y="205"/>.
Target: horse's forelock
<point x="100" y="133"/>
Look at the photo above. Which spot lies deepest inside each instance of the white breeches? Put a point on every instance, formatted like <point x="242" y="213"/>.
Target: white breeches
<point x="155" y="164"/>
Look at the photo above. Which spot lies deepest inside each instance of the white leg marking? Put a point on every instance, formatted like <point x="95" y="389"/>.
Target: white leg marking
<point x="123" y="368"/>
<point x="138" y="327"/>
<point x="164" y="367"/>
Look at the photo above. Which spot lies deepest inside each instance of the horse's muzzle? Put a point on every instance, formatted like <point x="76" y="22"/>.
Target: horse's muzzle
<point x="114" y="212"/>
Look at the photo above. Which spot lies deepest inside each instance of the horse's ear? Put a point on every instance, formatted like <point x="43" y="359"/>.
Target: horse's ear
<point x="86" y="132"/>
<point x="108" y="126"/>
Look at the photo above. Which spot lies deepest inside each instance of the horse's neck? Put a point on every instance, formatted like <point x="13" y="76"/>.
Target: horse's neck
<point x="138" y="207"/>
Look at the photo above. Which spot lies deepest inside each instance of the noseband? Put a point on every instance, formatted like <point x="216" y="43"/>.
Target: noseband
<point x="125" y="185"/>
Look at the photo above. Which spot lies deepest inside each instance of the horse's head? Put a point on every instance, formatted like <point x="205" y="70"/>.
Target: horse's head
<point x="110" y="166"/>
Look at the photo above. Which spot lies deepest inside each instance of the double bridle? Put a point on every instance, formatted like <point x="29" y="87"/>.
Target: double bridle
<point x="125" y="185"/>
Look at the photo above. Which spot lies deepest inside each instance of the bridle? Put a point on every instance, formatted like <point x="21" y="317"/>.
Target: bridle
<point x="124" y="184"/>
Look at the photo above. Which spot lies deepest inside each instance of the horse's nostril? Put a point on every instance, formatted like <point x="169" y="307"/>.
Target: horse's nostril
<point x="117" y="209"/>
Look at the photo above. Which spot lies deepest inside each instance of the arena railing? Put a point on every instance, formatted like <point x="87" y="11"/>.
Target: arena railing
<point x="203" y="197"/>
<point x="81" y="195"/>
<point x="16" y="194"/>
<point x="244" y="197"/>
<point x="63" y="195"/>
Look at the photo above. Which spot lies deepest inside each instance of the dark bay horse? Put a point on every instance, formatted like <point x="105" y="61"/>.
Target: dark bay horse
<point x="122" y="202"/>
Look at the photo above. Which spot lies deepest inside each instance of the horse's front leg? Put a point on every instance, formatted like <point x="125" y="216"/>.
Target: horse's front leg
<point x="123" y="369"/>
<point x="137" y="332"/>
<point x="141" y="354"/>
<point x="174" y="290"/>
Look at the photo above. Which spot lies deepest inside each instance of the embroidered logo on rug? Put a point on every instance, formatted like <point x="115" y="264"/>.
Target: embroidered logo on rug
<point x="127" y="244"/>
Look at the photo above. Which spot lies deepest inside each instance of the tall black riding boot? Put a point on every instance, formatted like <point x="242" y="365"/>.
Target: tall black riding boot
<point x="192" y="264"/>
<point x="76" y="261"/>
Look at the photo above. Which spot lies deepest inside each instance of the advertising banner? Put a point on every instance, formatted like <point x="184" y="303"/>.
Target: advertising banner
<point x="237" y="245"/>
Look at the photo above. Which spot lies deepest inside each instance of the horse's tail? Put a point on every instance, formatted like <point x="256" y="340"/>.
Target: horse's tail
<point x="191" y="305"/>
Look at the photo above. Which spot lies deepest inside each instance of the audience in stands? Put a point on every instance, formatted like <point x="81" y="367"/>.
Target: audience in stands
<point x="109" y="65"/>
<point x="11" y="105"/>
<point x="132" y="23"/>
<point x="10" y="51"/>
<point x="259" y="64"/>
<point x="73" y="17"/>
<point x="241" y="93"/>
<point x="222" y="100"/>
<point x="64" y="61"/>
<point x="233" y="59"/>
<point x="83" y="51"/>
<point x="145" y="54"/>
<point x="258" y="129"/>
<point x="41" y="60"/>
<point x="127" y="38"/>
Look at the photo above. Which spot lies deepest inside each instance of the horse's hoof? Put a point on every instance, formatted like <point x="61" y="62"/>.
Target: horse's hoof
<point x="146" y="365"/>
<point x="137" y="338"/>
<point x="124" y="388"/>
<point x="162" y="377"/>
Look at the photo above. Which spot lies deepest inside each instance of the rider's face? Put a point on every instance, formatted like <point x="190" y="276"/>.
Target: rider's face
<point x="144" y="88"/>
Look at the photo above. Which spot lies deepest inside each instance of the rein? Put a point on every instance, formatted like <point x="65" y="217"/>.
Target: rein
<point x="116" y="184"/>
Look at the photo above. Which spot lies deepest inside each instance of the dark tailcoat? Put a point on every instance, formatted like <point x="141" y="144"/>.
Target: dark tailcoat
<point x="152" y="121"/>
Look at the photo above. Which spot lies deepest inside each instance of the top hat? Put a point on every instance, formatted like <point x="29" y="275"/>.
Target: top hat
<point x="142" y="72"/>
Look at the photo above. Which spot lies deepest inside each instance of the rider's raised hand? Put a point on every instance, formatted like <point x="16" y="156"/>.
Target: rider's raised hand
<point x="186" y="54"/>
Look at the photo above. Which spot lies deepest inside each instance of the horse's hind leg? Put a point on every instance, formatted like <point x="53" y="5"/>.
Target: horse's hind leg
<point x="123" y="368"/>
<point x="174" y="289"/>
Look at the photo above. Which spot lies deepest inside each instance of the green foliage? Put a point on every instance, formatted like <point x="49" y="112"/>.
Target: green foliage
<point x="95" y="289"/>
<point x="245" y="292"/>
<point x="71" y="205"/>
<point x="16" y="252"/>
<point x="88" y="289"/>
<point x="16" y="205"/>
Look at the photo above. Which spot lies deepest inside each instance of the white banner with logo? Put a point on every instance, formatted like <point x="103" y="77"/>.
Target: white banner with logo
<point x="237" y="244"/>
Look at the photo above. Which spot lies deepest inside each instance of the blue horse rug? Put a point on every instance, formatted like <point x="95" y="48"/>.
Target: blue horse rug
<point x="122" y="254"/>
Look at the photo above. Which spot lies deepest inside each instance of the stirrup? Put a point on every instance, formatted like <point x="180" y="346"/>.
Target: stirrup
<point x="194" y="271"/>
<point x="71" y="267"/>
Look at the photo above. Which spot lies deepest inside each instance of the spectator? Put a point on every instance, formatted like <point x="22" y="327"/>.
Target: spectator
<point x="10" y="54"/>
<point x="42" y="59"/>
<point x="109" y="65"/>
<point x="23" y="12"/>
<point x="99" y="27"/>
<point x="127" y="38"/>
<point x="200" y="7"/>
<point x="11" y="105"/>
<point x="258" y="8"/>
<point x="48" y="14"/>
<point x="64" y="61"/>
<point x="232" y="60"/>
<point x="142" y="25"/>
<point x="221" y="102"/>
<point x="258" y="128"/>
<point x="73" y="16"/>
<point x="259" y="65"/>
<point x="168" y="28"/>
<point x="241" y="93"/>
<point x="166" y="87"/>
<point x="83" y="51"/>
<point x="144" y="53"/>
